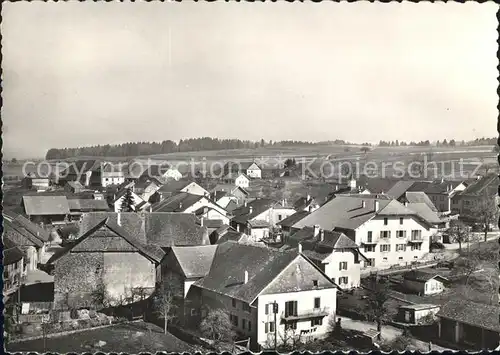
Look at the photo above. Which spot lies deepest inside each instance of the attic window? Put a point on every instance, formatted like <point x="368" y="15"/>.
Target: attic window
<point x="315" y="283"/>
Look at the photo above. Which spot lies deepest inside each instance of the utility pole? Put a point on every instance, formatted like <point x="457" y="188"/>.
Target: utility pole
<point x="275" y="311"/>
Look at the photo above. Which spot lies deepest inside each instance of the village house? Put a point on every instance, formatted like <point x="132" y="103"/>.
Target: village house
<point x="421" y="204"/>
<point x="12" y="267"/>
<point x="145" y="188"/>
<point x="211" y="217"/>
<point x="173" y="187"/>
<point x="333" y="252"/>
<point x="237" y="179"/>
<point x="79" y="206"/>
<point x="189" y="203"/>
<point x="463" y="202"/>
<point x="388" y="232"/>
<point x="286" y="224"/>
<point x="268" y="294"/>
<point x="112" y="175"/>
<point x="416" y="313"/>
<point x="424" y="283"/>
<point x="306" y="203"/>
<point x="87" y="172"/>
<point x="46" y="209"/>
<point x="138" y="203"/>
<point x="469" y="325"/>
<point x="36" y="182"/>
<point x="223" y="194"/>
<point x="161" y="172"/>
<point x="30" y="238"/>
<point x="226" y="232"/>
<point x="440" y="192"/>
<point x="257" y="217"/>
<point x="250" y="169"/>
<point x="120" y="252"/>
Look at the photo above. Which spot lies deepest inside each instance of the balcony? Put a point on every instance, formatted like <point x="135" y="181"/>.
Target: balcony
<point x="416" y="239"/>
<point x="306" y="314"/>
<point x="369" y="241"/>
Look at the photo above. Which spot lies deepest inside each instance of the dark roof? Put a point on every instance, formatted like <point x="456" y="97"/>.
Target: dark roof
<point x="347" y="212"/>
<point x="258" y="206"/>
<point x="87" y="205"/>
<point x="77" y="185"/>
<point x="155" y="170"/>
<point x="476" y="314"/>
<point x="82" y="166"/>
<point x="331" y="240"/>
<point x="421" y="276"/>
<point x="157" y="228"/>
<point x="177" y="203"/>
<point x="228" y="188"/>
<point x="376" y="185"/>
<point x="174" y="186"/>
<point x="195" y="261"/>
<point x="230" y="235"/>
<point x="292" y="219"/>
<point x="34" y="229"/>
<point x="11" y="253"/>
<point x="213" y="223"/>
<point x="304" y="202"/>
<point x="65" y="231"/>
<point x="487" y="184"/>
<point x="107" y="232"/>
<point x="46" y="205"/>
<point x="419" y="197"/>
<point x="399" y="189"/>
<point x="233" y="259"/>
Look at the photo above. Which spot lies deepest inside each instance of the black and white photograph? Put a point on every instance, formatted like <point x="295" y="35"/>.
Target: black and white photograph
<point x="212" y="177"/>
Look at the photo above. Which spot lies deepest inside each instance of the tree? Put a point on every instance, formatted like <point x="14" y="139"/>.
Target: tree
<point x="14" y="160"/>
<point x="165" y="306"/>
<point x="127" y="204"/>
<point x="466" y="266"/>
<point x="365" y="149"/>
<point x="289" y="163"/>
<point x="459" y="233"/>
<point x="485" y="212"/>
<point x="377" y="308"/>
<point x="217" y="326"/>
<point x="99" y="296"/>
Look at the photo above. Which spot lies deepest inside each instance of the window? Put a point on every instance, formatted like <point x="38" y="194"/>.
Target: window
<point x="249" y="326"/>
<point x="291" y="325"/>
<point x="234" y="303"/>
<point x="315" y="283"/>
<point x="243" y="323"/>
<point x="343" y="280"/>
<point x="385" y="234"/>
<point x="269" y="327"/>
<point x="369" y="238"/>
<point x="267" y="308"/>
<point x="290" y="308"/>
<point x="416" y="234"/>
<point x="385" y="259"/>
<point x="400" y="258"/>
<point x="370" y="262"/>
<point x="401" y="220"/>
<point x="193" y="311"/>
<point x="343" y="265"/>
<point x="280" y="217"/>
<point x="385" y="221"/>
<point x="369" y="248"/>
<point x="400" y="234"/>
<point x="234" y="319"/>
<point x="317" y="302"/>
<point x="316" y="321"/>
<point x="246" y="307"/>
<point x="385" y="248"/>
<point x="416" y="247"/>
<point x="400" y="247"/>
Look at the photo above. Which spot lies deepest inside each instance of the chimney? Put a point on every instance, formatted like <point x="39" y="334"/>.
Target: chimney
<point x="300" y="248"/>
<point x="352" y="184"/>
<point x="250" y="210"/>
<point x="321" y="235"/>
<point x="245" y="203"/>
<point x="363" y="204"/>
<point x="246" y="276"/>
<point x="316" y="230"/>
<point x="237" y="227"/>
<point x="308" y="197"/>
<point x="201" y="221"/>
<point x="180" y="205"/>
<point x="119" y="219"/>
<point x="406" y="203"/>
<point x="376" y="205"/>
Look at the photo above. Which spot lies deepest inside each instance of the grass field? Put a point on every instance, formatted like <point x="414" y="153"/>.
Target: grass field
<point x="132" y="338"/>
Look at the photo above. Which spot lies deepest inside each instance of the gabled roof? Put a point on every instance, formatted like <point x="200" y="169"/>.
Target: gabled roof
<point x="31" y="240"/>
<point x="77" y="185"/>
<point x="177" y="203"/>
<point x="258" y="206"/>
<point x="292" y="219"/>
<point x="195" y="261"/>
<point x="420" y="197"/>
<point x="87" y="205"/>
<point x="422" y="276"/>
<point x="174" y="186"/>
<point x="81" y="167"/>
<point x="476" y="314"/>
<point x="425" y="212"/>
<point x="34" y="229"/>
<point x="376" y="185"/>
<point x="228" y="188"/>
<point x="107" y="231"/>
<point x="45" y="205"/>
<point x="231" y="235"/>
<point x="304" y="202"/>
<point x="11" y="253"/>
<point x="155" y="170"/>
<point x="233" y="259"/>
<point x="157" y="228"/>
<point x="487" y="184"/>
<point x="400" y="188"/>
<point x="331" y="240"/>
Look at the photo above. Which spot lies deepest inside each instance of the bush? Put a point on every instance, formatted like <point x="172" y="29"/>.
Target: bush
<point x="437" y="245"/>
<point x="73" y="313"/>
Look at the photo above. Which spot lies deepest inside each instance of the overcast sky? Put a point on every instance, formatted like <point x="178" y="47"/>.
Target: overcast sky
<point x="89" y="73"/>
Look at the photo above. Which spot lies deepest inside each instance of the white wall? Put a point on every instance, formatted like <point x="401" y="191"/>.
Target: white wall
<point x="353" y="272"/>
<point x="433" y="287"/>
<point x="376" y="225"/>
<point x="206" y="203"/>
<point x="195" y="189"/>
<point x="305" y="302"/>
<point x="118" y="202"/>
<point x="255" y="173"/>
<point x="242" y="181"/>
<point x="173" y="174"/>
<point x="107" y="180"/>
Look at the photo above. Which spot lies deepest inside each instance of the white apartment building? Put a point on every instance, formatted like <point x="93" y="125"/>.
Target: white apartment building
<point x="387" y="232"/>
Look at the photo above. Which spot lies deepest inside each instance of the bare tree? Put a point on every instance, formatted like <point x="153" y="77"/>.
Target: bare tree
<point x="486" y="212"/>
<point x="165" y="306"/>
<point x="100" y="297"/>
<point x="466" y="266"/>
<point x="217" y="326"/>
<point x="289" y="339"/>
<point x="377" y="309"/>
<point x="459" y="233"/>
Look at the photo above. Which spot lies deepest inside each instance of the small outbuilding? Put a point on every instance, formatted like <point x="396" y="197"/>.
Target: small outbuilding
<point x="424" y="283"/>
<point x="414" y="313"/>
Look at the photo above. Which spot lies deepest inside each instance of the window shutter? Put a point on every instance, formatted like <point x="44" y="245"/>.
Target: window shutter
<point x="267" y="309"/>
<point x="275" y="308"/>
<point x="340" y="266"/>
<point x="266" y="327"/>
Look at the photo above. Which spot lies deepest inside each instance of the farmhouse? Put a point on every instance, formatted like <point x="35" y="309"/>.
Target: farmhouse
<point x="46" y="208"/>
<point x="307" y="203"/>
<point x="111" y="175"/>
<point x="483" y="188"/>
<point x="388" y="232"/>
<point x="287" y="223"/>
<point x="469" y="324"/>
<point x="173" y="187"/>
<point x="12" y="267"/>
<point x="79" y="206"/>
<point x="333" y="252"/>
<point x="250" y="169"/>
<point x="223" y="194"/>
<point x="440" y="192"/>
<point x="237" y="179"/>
<point x="87" y="172"/>
<point x="423" y="283"/>
<point x="265" y="291"/>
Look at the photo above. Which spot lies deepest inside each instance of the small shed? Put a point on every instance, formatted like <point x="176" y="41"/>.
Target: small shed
<point x="414" y="313"/>
<point x="424" y="283"/>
